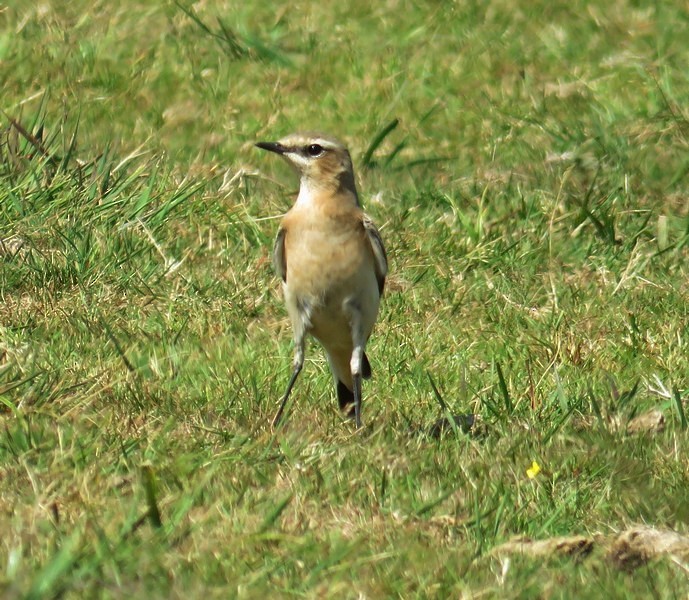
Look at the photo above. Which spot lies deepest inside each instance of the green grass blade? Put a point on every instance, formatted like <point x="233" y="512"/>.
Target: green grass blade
<point x="680" y="409"/>
<point x="377" y="140"/>
<point x="148" y="481"/>
<point x="507" y="400"/>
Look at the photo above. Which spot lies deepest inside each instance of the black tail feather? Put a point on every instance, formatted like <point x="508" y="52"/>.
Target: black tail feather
<point x="345" y="398"/>
<point x="366" y="368"/>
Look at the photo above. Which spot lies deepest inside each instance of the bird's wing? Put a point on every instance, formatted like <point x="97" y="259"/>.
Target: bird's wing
<point x="380" y="258"/>
<point x="279" y="258"/>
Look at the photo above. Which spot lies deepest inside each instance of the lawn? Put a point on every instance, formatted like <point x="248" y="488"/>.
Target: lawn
<point x="528" y="167"/>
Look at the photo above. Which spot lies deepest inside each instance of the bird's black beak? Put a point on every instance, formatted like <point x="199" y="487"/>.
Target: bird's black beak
<point x="276" y="147"/>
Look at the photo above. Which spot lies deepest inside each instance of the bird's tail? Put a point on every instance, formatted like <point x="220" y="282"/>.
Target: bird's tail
<point x="365" y="368"/>
<point x="345" y="396"/>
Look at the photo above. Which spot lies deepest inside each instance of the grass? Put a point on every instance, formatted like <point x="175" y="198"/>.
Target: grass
<point x="528" y="168"/>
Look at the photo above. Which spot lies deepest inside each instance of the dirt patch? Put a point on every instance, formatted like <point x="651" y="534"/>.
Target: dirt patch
<point x="575" y="546"/>
<point x="12" y="245"/>
<point x="636" y="546"/>
<point x="627" y="550"/>
<point x="652" y="421"/>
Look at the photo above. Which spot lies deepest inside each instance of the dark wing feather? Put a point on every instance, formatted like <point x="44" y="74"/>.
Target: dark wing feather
<point x="279" y="258"/>
<point x="380" y="258"/>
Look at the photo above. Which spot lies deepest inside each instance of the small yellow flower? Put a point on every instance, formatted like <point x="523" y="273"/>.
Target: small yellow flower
<point x="534" y="470"/>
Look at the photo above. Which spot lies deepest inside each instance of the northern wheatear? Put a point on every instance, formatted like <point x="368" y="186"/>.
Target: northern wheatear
<point x="332" y="263"/>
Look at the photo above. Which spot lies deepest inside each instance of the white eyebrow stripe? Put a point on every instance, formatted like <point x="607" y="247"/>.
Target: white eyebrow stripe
<point x="298" y="144"/>
<point x="326" y="144"/>
<point x="299" y="147"/>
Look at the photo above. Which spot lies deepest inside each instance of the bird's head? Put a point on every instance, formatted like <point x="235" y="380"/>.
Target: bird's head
<point x="321" y="161"/>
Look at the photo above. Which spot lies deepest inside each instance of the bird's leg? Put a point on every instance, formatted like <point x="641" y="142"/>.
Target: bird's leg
<point x="356" y="363"/>
<point x="299" y="344"/>
<point x="356" y="384"/>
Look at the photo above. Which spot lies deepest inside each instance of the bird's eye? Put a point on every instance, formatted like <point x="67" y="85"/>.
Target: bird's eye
<point x="314" y="150"/>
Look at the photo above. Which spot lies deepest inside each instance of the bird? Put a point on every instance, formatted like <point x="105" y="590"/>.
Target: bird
<point x="332" y="263"/>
